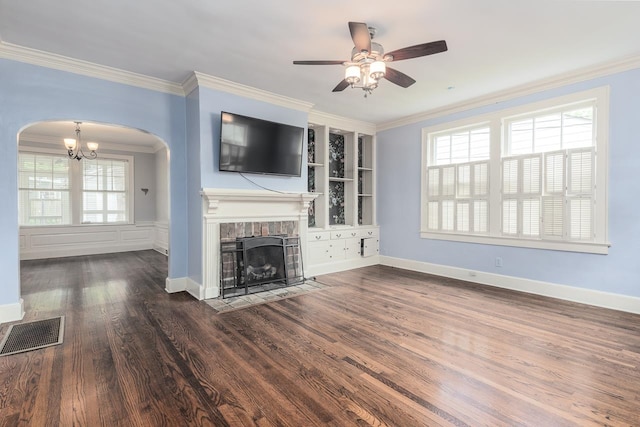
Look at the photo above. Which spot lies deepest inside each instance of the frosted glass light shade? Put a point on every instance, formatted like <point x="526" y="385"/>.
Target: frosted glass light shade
<point x="377" y="69"/>
<point x="70" y="143"/>
<point x="352" y="74"/>
<point x="93" y="146"/>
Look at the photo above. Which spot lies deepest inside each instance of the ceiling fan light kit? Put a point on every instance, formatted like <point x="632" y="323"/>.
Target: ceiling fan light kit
<point x="368" y="62"/>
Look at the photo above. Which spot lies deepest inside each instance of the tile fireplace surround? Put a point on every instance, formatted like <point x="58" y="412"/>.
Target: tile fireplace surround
<point x="222" y="207"/>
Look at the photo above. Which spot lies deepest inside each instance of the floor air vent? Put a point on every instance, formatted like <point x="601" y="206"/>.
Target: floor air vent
<point x="32" y="336"/>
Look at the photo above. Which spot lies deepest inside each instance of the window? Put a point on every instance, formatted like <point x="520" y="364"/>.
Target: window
<point x="457" y="181"/>
<point x="521" y="177"/>
<point x="104" y="195"/>
<point x="43" y="189"/>
<point x="54" y="190"/>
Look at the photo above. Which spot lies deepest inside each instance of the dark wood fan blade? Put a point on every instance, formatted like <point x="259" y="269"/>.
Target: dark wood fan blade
<point x="401" y="79"/>
<point x="318" y="62"/>
<point x="419" y="50"/>
<point x="360" y="36"/>
<point x="341" y="86"/>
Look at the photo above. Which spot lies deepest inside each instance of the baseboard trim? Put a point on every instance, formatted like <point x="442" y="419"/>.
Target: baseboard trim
<point x="195" y="289"/>
<point x="602" y="299"/>
<point x="12" y="312"/>
<point x="335" y="267"/>
<point x="178" y="284"/>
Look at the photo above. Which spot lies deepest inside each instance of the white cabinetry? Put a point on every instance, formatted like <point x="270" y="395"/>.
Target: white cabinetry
<point x="342" y="221"/>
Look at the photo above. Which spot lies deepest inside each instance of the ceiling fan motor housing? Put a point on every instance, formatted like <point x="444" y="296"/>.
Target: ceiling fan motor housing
<point x="376" y="54"/>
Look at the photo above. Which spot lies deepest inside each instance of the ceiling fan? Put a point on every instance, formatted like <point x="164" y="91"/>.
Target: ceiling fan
<point x="368" y="63"/>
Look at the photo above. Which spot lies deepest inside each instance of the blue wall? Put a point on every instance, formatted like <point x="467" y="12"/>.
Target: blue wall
<point x="206" y="147"/>
<point x="398" y="186"/>
<point x="30" y="93"/>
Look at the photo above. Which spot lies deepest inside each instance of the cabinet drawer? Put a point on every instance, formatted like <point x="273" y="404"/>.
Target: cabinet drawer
<point x="368" y="232"/>
<point x="317" y="236"/>
<point x="340" y="234"/>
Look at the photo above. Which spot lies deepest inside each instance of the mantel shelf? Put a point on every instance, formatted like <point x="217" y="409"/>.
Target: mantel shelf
<point x="335" y="178"/>
<point x="364" y="169"/>
<point x="317" y="165"/>
<point x="365" y="195"/>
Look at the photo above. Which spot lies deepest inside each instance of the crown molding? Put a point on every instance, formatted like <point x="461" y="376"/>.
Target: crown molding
<point x="216" y="83"/>
<point x="190" y="84"/>
<point x="343" y="123"/>
<point x="85" y="68"/>
<point x="26" y="138"/>
<point x="577" y="76"/>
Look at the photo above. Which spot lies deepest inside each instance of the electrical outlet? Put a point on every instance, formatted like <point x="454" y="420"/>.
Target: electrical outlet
<point x="498" y="261"/>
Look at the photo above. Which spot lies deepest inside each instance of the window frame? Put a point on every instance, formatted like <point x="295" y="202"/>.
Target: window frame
<point x="496" y="121"/>
<point x="76" y="189"/>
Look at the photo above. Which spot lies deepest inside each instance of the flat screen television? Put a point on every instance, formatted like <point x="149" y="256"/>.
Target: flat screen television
<point x="259" y="146"/>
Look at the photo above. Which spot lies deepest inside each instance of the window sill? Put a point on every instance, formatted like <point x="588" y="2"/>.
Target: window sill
<point x="582" y="247"/>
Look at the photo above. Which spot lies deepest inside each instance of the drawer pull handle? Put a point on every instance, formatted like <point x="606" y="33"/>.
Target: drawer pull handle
<point x="369" y="233"/>
<point x="353" y="234"/>
<point x="318" y="237"/>
<point x="338" y="235"/>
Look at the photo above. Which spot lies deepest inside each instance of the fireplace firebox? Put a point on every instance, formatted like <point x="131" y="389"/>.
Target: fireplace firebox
<point x="259" y="263"/>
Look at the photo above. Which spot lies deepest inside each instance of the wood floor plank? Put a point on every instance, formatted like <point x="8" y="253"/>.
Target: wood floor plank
<point x="378" y="346"/>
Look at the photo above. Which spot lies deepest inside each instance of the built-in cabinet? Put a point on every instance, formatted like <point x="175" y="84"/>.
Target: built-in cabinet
<point x="342" y="220"/>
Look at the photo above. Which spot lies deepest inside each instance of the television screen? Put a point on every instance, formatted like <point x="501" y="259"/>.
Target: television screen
<point x="259" y="146"/>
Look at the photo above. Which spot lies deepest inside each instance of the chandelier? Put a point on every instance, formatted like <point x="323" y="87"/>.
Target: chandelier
<point x="74" y="146"/>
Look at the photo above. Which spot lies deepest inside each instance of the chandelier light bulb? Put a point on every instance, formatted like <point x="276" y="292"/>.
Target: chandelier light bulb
<point x="92" y="146"/>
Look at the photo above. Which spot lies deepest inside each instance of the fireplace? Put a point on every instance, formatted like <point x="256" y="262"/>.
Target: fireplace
<point x="230" y="214"/>
<point x="259" y="263"/>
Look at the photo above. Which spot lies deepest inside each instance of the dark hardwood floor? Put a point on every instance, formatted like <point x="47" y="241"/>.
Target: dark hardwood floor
<point x="379" y="347"/>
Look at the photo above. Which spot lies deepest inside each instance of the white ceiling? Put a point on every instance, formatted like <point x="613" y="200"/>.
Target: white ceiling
<point x="493" y="44"/>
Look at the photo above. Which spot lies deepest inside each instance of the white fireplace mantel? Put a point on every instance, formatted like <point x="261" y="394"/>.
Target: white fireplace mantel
<point x="230" y="205"/>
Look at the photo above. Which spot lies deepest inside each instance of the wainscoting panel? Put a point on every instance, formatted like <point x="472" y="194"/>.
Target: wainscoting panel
<point x="161" y="237"/>
<point x="57" y="242"/>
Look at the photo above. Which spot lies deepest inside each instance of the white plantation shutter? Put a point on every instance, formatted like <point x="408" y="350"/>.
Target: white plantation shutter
<point x="580" y="180"/>
<point x="448" y="181"/>
<point x="580" y="219"/>
<point x="531" y="217"/>
<point x="510" y="216"/>
<point x="531" y="175"/>
<point x="554" y="164"/>
<point x="447" y="215"/>
<point x="433" y="185"/>
<point x="463" y="216"/>
<point x="480" y="216"/>
<point x="553" y="217"/>
<point x="509" y="176"/>
<point x="481" y="179"/>
<point x="433" y="215"/>
<point x="464" y="181"/>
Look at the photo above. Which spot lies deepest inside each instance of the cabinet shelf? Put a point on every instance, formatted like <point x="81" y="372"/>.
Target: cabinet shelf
<point x="341" y="170"/>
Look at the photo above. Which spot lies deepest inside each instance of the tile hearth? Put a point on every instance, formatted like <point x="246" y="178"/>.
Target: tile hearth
<point x="235" y="303"/>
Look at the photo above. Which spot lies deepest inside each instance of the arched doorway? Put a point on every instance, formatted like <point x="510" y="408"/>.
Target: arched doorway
<point x="117" y="202"/>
